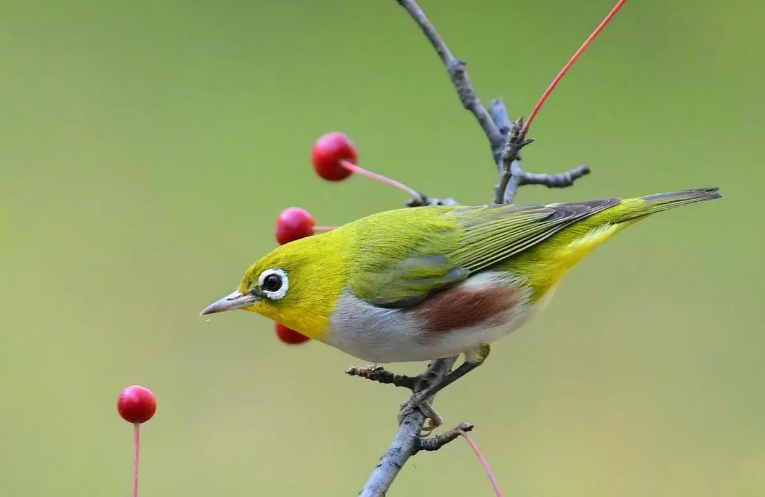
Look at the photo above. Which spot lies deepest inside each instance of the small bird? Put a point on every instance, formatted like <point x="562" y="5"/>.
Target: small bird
<point x="422" y="283"/>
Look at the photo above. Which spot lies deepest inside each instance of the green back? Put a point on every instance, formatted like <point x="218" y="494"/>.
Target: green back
<point x="403" y="256"/>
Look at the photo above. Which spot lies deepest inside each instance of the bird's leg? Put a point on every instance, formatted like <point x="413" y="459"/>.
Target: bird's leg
<point x="473" y="359"/>
<point x="434" y="419"/>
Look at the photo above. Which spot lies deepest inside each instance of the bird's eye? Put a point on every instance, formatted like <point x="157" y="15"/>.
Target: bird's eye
<point x="273" y="283"/>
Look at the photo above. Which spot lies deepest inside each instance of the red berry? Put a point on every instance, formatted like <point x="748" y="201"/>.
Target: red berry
<point x="136" y="404"/>
<point x="293" y="223"/>
<point x="289" y="336"/>
<point x="328" y="151"/>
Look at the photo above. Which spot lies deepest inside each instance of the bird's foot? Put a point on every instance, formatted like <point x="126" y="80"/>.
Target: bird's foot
<point x="434" y="419"/>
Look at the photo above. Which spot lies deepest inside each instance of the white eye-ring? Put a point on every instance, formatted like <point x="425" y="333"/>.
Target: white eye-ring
<point x="274" y="283"/>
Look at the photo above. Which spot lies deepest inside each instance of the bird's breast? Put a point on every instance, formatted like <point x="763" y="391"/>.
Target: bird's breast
<point x="482" y="309"/>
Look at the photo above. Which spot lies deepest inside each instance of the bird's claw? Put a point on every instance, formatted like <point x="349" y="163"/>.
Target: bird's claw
<point x="366" y="370"/>
<point x="434" y="419"/>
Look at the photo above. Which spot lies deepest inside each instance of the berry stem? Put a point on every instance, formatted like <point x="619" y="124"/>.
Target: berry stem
<point x="570" y="63"/>
<point x="483" y="462"/>
<point x="378" y="177"/>
<point x="136" y="443"/>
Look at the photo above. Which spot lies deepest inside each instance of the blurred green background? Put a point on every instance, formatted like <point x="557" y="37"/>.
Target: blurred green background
<point x="147" y="147"/>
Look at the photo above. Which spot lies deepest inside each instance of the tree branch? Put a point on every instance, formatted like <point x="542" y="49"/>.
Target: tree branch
<point x="506" y="139"/>
<point x="457" y="70"/>
<point x="501" y="119"/>
<point x="509" y="165"/>
<point x="495" y="122"/>
<point x="407" y="441"/>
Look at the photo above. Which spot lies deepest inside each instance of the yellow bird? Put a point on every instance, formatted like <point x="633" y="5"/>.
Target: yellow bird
<point x="423" y="283"/>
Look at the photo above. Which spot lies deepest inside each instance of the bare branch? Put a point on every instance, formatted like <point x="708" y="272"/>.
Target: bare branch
<point x="381" y="375"/>
<point x="436" y="443"/>
<point x="506" y="139"/>
<point x="424" y="200"/>
<point x="512" y="185"/>
<point x="561" y="180"/>
<point x="458" y="74"/>
<point x="509" y="166"/>
<point x="500" y="116"/>
<point x="407" y="440"/>
<point x="512" y="176"/>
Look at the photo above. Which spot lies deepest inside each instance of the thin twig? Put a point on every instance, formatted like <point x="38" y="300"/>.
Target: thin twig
<point x="458" y="74"/>
<point x="561" y="180"/>
<point x="381" y="375"/>
<point x="435" y="443"/>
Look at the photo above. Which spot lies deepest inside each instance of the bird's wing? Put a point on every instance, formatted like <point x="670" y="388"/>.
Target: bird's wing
<point x="445" y="245"/>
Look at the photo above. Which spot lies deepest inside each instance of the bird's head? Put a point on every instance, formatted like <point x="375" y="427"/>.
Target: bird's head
<point x="296" y="284"/>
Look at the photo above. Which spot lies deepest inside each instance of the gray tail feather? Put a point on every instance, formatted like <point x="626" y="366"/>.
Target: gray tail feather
<point x="663" y="201"/>
<point x="659" y="202"/>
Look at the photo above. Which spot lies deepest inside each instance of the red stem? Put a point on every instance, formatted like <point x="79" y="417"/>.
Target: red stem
<point x="570" y="63"/>
<point x="483" y="461"/>
<point x="136" y="441"/>
<point x="378" y="177"/>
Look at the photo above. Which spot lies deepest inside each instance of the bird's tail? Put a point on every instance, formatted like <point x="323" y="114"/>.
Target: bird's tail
<point x="575" y="242"/>
<point x="638" y="208"/>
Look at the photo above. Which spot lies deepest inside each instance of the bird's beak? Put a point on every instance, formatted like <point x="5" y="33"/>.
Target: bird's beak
<point x="234" y="300"/>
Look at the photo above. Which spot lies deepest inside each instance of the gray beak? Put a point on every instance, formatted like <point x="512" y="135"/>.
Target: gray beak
<point x="234" y="300"/>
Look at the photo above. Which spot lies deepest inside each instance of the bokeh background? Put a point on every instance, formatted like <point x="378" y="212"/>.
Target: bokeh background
<point x="147" y="147"/>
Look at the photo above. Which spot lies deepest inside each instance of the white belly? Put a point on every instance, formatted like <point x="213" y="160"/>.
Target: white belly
<point x="394" y="335"/>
